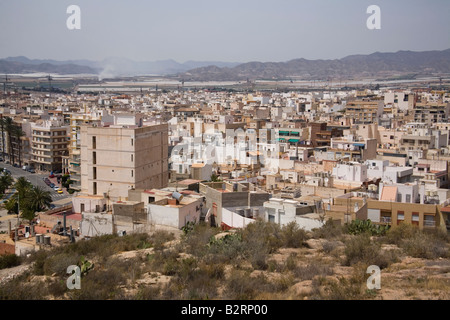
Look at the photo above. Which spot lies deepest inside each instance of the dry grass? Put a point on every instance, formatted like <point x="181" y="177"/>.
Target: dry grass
<point x="262" y="261"/>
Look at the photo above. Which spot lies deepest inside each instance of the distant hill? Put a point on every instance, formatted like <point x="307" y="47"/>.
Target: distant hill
<point x="379" y="65"/>
<point x="373" y="65"/>
<point x="8" y="66"/>
<point x="110" y="67"/>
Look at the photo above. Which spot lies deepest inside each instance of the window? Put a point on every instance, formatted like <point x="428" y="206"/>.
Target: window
<point x="415" y="218"/>
<point x="132" y="173"/>
<point x="94" y="142"/>
<point x="94" y="157"/>
<point x="131" y="158"/>
<point x="400" y="216"/>
<point x="408" y="198"/>
<point x="132" y="142"/>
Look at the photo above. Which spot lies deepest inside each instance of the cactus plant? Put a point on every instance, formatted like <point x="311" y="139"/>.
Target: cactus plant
<point x="85" y="266"/>
<point x="362" y="226"/>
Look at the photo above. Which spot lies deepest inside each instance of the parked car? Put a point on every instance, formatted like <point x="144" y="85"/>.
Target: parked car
<point x="56" y="188"/>
<point x="31" y="170"/>
<point x="59" y="191"/>
<point x="52" y="185"/>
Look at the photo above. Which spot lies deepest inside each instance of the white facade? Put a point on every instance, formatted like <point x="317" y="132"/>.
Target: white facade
<point x="284" y="212"/>
<point x="175" y="216"/>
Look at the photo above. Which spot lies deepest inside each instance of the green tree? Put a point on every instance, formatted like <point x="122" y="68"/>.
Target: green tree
<point x="23" y="187"/>
<point x="39" y="199"/>
<point x="11" y="206"/>
<point x="2" y="125"/>
<point x="18" y="133"/>
<point x="6" y="181"/>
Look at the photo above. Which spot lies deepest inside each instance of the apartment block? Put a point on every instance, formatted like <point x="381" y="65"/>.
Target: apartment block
<point x="115" y="159"/>
<point x="431" y="112"/>
<point x="48" y="145"/>
<point x="364" y="111"/>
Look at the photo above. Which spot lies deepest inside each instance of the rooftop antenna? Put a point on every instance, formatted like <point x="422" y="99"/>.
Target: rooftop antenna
<point x="49" y="78"/>
<point x="4" y="83"/>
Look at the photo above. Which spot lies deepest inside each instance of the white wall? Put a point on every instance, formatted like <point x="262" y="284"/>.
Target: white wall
<point x="235" y="220"/>
<point x="96" y="224"/>
<point x="176" y="217"/>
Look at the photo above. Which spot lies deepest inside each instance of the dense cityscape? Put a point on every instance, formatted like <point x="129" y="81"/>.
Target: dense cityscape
<point x="158" y="180"/>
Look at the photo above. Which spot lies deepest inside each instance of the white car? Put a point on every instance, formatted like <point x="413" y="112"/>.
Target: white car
<point x="56" y="188"/>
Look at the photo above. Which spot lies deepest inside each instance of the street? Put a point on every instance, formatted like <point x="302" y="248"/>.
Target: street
<point x="38" y="180"/>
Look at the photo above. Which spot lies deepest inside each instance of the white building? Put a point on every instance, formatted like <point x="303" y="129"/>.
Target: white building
<point x="175" y="213"/>
<point x="283" y="212"/>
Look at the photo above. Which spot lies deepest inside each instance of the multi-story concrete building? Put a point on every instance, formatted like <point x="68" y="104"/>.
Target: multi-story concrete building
<point x="48" y="145"/>
<point x="431" y="112"/>
<point x="72" y="162"/>
<point x="364" y="112"/>
<point x="115" y="159"/>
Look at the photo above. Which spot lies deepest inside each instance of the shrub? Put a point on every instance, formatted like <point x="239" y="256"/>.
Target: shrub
<point x="329" y="230"/>
<point x="196" y="240"/>
<point x="148" y="293"/>
<point x="57" y="288"/>
<point x="241" y="286"/>
<point x="360" y="249"/>
<point x="427" y="246"/>
<point x="21" y="289"/>
<point x="292" y="236"/>
<point x="160" y="237"/>
<point x="229" y="248"/>
<point x="102" y="283"/>
<point x="266" y="235"/>
<point x="58" y="263"/>
<point x="9" y="261"/>
<point x="312" y="270"/>
<point x="399" y="233"/>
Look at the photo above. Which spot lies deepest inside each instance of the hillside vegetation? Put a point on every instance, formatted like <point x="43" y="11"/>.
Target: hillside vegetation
<point x="262" y="261"/>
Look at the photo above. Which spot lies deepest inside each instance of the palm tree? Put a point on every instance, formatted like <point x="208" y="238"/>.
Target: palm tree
<point x="2" y="121"/>
<point x="18" y="134"/>
<point x="39" y="199"/>
<point x="23" y="187"/>
<point x="5" y="182"/>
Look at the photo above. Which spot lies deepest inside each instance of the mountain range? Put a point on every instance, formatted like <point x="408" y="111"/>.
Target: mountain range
<point x="107" y="68"/>
<point x="373" y="65"/>
<point x="377" y="64"/>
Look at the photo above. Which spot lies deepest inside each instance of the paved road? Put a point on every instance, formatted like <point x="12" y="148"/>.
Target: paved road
<point x="37" y="179"/>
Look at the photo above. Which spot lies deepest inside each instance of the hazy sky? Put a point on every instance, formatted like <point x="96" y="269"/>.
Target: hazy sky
<point x="227" y="30"/>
